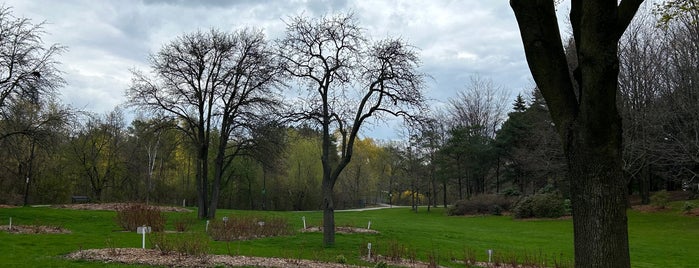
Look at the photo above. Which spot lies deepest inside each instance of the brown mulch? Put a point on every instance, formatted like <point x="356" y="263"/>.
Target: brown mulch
<point x="156" y="257"/>
<point x="693" y="212"/>
<point x="34" y="229"/>
<point x="649" y="208"/>
<point x="7" y="206"/>
<point x="159" y="258"/>
<point x="115" y="206"/>
<point x="341" y="230"/>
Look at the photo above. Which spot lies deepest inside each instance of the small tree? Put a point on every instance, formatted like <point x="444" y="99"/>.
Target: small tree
<point x="348" y="81"/>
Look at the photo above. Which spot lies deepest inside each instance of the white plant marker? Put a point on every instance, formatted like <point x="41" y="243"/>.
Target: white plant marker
<point x="490" y="255"/>
<point x="207" y="226"/>
<point x="143" y="230"/>
<point x="184" y="203"/>
<point x="304" y="222"/>
<point x="368" y="226"/>
<point x="368" y="246"/>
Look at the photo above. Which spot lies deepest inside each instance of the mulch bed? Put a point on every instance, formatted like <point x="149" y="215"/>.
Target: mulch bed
<point x="115" y="206"/>
<point x="693" y="212"/>
<point x="649" y="208"/>
<point x="341" y="230"/>
<point x="34" y="229"/>
<point x="159" y="258"/>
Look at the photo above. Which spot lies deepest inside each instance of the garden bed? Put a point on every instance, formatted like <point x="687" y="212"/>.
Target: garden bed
<point x="116" y="206"/>
<point x="341" y="230"/>
<point x="159" y="258"/>
<point x="34" y="229"/>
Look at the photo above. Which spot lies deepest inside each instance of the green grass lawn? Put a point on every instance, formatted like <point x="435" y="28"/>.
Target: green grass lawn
<point x="664" y="239"/>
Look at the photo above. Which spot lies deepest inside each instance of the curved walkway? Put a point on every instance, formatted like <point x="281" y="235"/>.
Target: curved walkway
<point x="380" y="206"/>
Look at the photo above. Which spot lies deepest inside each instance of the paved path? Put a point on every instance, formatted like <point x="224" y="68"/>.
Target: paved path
<point x="380" y="206"/>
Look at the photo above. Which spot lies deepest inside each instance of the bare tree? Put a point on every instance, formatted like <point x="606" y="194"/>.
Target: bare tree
<point x="584" y="110"/>
<point x="27" y="68"/>
<point x="678" y="143"/>
<point x="347" y="81"/>
<point x="211" y="80"/>
<point x="482" y="104"/>
<point x="640" y="57"/>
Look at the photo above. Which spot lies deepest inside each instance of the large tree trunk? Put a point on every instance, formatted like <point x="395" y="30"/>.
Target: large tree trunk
<point x="216" y="185"/>
<point x="219" y="164"/>
<point x="202" y="182"/>
<point x="586" y="117"/>
<point x="598" y="195"/>
<point x="328" y="183"/>
<point x="328" y="214"/>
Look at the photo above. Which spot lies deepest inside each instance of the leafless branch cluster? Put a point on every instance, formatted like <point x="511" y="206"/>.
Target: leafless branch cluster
<point x="27" y="68"/>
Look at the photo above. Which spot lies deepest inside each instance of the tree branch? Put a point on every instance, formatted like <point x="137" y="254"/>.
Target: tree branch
<point x="546" y="58"/>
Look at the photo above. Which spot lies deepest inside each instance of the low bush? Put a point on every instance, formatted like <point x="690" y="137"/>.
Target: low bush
<point x="549" y="205"/>
<point x="395" y="251"/>
<point x="660" y="199"/>
<point x="688" y="207"/>
<point x="132" y="216"/>
<point x="184" y="244"/>
<point x="381" y="265"/>
<point x="511" y="192"/>
<point x="482" y="204"/>
<point x="183" y="223"/>
<point x="341" y="259"/>
<point x="248" y="227"/>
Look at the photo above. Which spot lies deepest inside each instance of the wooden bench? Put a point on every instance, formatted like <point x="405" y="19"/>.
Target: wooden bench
<point x="79" y="199"/>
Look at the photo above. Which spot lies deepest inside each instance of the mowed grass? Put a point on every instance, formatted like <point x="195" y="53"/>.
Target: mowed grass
<point x="662" y="239"/>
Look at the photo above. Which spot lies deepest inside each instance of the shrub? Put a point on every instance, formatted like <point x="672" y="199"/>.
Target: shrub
<point x="511" y="192"/>
<point x="183" y="223"/>
<point x="660" y="199"/>
<point x="248" y="227"/>
<point x="381" y="265"/>
<point x="482" y="204"/>
<point x="688" y="207"/>
<point x="395" y="250"/>
<point x="540" y="206"/>
<point x="568" y="207"/>
<point x="340" y="259"/>
<point x="185" y="244"/>
<point x="132" y="216"/>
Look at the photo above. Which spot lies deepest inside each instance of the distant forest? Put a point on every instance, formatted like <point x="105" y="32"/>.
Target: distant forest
<point x="257" y="151"/>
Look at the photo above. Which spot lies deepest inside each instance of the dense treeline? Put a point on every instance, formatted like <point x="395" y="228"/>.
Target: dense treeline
<point x="231" y="142"/>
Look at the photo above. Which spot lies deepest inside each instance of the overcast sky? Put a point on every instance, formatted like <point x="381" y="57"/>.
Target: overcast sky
<point x="105" y="39"/>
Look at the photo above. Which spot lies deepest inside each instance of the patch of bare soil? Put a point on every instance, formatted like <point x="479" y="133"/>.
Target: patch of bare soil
<point x="693" y="212"/>
<point x="33" y="229"/>
<point x="341" y="230"/>
<point x="7" y="206"/>
<point x="115" y="206"/>
<point x="649" y="208"/>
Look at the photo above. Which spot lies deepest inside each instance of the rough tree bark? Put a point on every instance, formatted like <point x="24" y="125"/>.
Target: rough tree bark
<point x="587" y="120"/>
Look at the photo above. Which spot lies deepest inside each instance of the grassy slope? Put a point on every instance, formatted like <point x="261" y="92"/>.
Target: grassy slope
<point x="666" y="239"/>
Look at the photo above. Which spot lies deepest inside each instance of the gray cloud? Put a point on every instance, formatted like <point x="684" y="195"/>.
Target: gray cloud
<point x="456" y="39"/>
